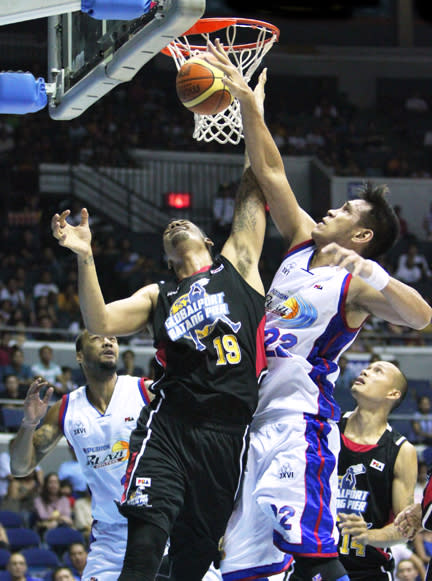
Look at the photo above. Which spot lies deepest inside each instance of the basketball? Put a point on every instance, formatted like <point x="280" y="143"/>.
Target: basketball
<point x="201" y="89"/>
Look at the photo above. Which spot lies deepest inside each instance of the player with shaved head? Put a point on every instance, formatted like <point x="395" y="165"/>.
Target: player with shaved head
<point x="377" y="470"/>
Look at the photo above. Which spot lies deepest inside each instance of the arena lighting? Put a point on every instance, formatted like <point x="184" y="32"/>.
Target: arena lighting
<point x="178" y="200"/>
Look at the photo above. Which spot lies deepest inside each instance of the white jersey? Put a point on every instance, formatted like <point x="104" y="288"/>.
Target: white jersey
<point x="101" y="441"/>
<point x="305" y="334"/>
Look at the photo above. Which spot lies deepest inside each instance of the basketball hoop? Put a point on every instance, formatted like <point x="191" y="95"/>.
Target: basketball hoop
<point x="246" y="41"/>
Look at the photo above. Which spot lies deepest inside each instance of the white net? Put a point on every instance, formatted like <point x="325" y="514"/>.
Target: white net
<point x="246" y="43"/>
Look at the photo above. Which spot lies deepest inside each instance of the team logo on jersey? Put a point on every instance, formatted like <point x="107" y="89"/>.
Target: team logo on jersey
<point x="79" y="429"/>
<point x="139" y="498"/>
<point x="286" y="471"/>
<point x="143" y="482"/>
<point x="349" y="498"/>
<point x="106" y="456"/>
<point x="195" y="315"/>
<point x="293" y="312"/>
<point x="377" y="465"/>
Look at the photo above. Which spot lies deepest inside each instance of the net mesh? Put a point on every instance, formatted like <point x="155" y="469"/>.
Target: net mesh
<point x="246" y="43"/>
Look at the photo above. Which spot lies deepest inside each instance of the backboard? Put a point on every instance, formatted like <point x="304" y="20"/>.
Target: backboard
<point x="87" y="58"/>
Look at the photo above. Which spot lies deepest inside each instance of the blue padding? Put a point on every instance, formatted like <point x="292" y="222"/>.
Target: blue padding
<point x="21" y="93"/>
<point x="115" y="9"/>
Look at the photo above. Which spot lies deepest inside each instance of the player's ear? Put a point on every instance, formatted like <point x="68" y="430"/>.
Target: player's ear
<point x="363" y="235"/>
<point x="208" y="242"/>
<point x="170" y="266"/>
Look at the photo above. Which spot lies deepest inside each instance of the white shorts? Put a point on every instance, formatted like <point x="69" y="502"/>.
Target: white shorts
<point x="287" y="504"/>
<point x="106" y="552"/>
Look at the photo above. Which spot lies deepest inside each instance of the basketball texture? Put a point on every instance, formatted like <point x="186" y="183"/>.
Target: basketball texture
<point x="200" y="87"/>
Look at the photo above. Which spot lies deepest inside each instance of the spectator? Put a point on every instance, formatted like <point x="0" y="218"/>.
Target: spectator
<point x="64" y="383"/>
<point x="63" y="574"/>
<point x="22" y="493"/>
<point x="129" y="367"/>
<point x="5" y="474"/>
<point x="13" y="293"/>
<point x="5" y="348"/>
<point x="11" y="385"/>
<point x="427" y="222"/>
<point x="46" y="368"/>
<point x="82" y="514"/>
<point x="325" y="109"/>
<point x="403" y="224"/>
<point x="4" y="540"/>
<point x="402" y="552"/>
<point x="17" y="567"/>
<point x="412" y="266"/>
<point x="67" y="491"/>
<point x="45" y="285"/>
<point x="52" y="509"/>
<point x="423" y="546"/>
<point x="422" y="473"/>
<point x="71" y="470"/>
<point x="68" y="303"/>
<point x="78" y="558"/>
<point x="407" y="571"/>
<point x="17" y="367"/>
<point x="346" y="375"/>
<point x="416" y="103"/>
<point x="422" y="427"/>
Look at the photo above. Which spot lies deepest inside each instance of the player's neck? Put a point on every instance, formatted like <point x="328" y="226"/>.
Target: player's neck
<point x="366" y="426"/>
<point x="99" y="392"/>
<point x="191" y="263"/>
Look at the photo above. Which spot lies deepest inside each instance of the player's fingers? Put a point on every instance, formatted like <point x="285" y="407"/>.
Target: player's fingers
<point x="48" y="395"/>
<point x="84" y="217"/>
<point x="35" y="386"/>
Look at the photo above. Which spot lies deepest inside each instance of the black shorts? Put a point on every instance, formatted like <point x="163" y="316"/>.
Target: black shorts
<point x="183" y="476"/>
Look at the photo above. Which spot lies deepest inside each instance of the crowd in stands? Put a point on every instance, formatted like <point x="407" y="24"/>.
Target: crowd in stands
<point x="391" y="139"/>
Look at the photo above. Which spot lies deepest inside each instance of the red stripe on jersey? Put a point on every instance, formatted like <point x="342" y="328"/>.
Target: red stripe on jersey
<point x="128" y="476"/>
<point x="354" y="447"/>
<point x="143" y="389"/>
<point x="321" y="487"/>
<point x="261" y="360"/>
<point x="161" y="356"/>
<point x="62" y="412"/>
<point x="426" y="503"/>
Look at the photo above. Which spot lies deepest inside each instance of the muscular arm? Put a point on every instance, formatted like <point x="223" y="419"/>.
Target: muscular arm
<point x="244" y="245"/>
<point x="29" y="447"/>
<point x="123" y="317"/>
<point x="397" y="303"/>
<point x="292" y="222"/>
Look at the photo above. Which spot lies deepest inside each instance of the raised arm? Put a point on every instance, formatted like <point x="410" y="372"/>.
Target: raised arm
<point x="30" y="446"/>
<point x="123" y="317"/>
<point x="294" y="224"/>
<point x="244" y="245"/>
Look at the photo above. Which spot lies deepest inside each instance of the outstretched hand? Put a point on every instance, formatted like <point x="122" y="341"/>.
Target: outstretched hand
<point x="348" y="259"/>
<point x="35" y="408"/>
<point x="233" y="79"/>
<point x="76" y="238"/>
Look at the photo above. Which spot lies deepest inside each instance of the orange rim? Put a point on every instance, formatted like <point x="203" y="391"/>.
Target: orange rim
<point x="207" y="25"/>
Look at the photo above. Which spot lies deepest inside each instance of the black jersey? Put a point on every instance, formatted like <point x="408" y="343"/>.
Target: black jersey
<point x="365" y="488"/>
<point x="209" y="336"/>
